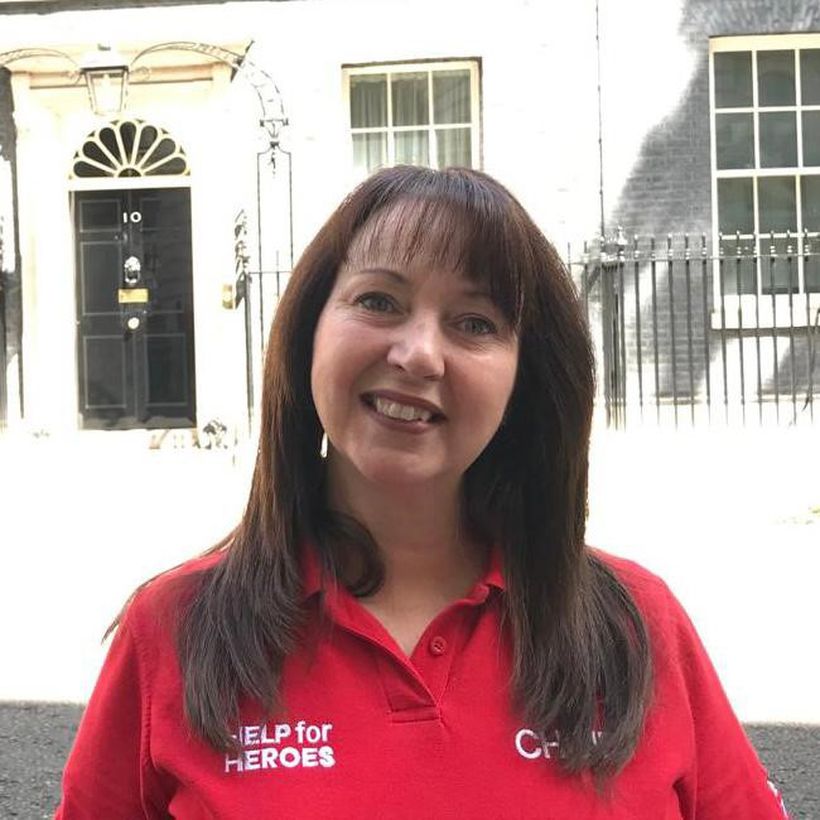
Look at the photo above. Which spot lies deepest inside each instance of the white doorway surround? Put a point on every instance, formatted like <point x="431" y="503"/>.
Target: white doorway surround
<point x="188" y="97"/>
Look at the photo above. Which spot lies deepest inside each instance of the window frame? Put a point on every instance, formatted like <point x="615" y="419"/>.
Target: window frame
<point x="763" y="309"/>
<point x="430" y="66"/>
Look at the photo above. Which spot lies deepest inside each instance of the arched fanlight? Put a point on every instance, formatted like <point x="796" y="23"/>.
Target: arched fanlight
<point x="129" y="148"/>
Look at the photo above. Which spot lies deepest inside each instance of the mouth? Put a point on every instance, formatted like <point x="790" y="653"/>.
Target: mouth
<point x="404" y="409"/>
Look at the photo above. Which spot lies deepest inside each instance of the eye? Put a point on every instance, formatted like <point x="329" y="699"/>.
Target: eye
<point x="477" y="326"/>
<point x="375" y="302"/>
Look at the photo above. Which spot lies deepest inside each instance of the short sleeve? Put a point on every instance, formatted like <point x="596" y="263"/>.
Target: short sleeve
<point x="108" y="772"/>
<point x="728" y="781"/>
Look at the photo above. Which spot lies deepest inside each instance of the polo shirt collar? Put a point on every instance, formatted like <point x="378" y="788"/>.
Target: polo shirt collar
<point x="493" y="576"/>
<point x="311" y="571"/>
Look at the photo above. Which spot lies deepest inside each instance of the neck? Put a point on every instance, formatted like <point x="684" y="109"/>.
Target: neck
<point x="424" y="546"/>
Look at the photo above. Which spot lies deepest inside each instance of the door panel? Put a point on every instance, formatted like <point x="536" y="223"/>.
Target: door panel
<point x="105" y="373"/>
<point x="135" y="309"/>
<point x="100" y="265"/>
<point x="167" y="370"/>
<point x="100" y="213"/>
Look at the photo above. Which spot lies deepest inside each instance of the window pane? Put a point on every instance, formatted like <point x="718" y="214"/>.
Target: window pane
<point x="738" y="276"/>
<point x="780" y="268"/>
<point x="369" y="152"/>
<point x="410" y="104"/>
<point x="810" y="76"/>
<point x="412" y="148"/>
<point x="810" y="200"/>
<point x="811" y="138"/>
<point x="778" y="140"/>
<point x="776" y="200"/>
<point x="775" y="77"/>
<point x="368" y="101"/>
<point x="733" y="79"/>
<point x="454" y="147"/>
<point x="735" y="206"/>
<point x="451" y="96"/>
<point x="735" y="145"/>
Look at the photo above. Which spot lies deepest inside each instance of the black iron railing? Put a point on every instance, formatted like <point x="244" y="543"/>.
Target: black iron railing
<point x="258" y="293"/>
<point x="689" y="334"/>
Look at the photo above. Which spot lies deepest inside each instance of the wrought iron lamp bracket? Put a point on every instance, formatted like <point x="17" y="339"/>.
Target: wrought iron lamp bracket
<point x="8" y="57"/>
<point x="273" y="117"/>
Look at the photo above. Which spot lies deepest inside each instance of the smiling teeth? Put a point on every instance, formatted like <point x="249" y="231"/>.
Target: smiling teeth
<point x="405" y="412"/>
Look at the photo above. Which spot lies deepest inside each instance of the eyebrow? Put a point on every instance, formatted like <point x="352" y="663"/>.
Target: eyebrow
<point x="403" y="280"/>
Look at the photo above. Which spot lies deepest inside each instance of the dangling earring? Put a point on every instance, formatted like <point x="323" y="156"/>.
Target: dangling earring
<point x="323" y="445"/>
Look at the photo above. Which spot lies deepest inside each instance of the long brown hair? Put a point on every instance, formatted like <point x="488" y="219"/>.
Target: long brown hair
<point x="580" y="647"/>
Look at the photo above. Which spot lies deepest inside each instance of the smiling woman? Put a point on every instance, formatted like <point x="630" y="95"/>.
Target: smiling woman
<point x="409" y="366"/>
<point x="412" y="626"/>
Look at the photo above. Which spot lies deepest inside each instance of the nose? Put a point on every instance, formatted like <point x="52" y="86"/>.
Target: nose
<point x="418" y="349"/>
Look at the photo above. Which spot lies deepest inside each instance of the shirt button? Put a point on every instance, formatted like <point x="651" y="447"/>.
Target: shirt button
<point x="438" y="646"/>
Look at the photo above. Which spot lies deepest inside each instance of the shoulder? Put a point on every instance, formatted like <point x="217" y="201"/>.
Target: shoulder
<point x="153" y="610"/>
<point x="679" y="656"/>
<point x="649" y="590"/>
<point x="670" y="628"/>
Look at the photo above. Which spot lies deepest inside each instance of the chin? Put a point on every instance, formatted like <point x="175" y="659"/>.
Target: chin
<point x="397" y="471"/>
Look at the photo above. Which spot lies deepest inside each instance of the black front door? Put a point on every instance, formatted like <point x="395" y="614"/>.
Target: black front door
<point x="135" y="335"/>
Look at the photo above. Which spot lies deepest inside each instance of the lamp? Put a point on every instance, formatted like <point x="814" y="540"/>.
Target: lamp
<point x="106" y="77"/>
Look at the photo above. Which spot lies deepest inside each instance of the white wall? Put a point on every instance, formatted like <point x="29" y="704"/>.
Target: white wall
<point x="537" y="84"/>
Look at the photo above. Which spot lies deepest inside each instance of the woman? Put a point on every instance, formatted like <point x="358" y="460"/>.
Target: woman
<point x="412" y="626"/>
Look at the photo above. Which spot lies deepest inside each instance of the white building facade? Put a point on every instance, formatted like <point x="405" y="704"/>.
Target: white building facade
<point x="157" y="186"/>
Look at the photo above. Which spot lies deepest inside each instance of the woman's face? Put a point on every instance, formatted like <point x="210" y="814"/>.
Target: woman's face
<point x="413" y="366"/>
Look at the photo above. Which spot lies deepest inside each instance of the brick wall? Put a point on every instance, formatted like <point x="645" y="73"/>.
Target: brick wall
<point x="669" y="188"/>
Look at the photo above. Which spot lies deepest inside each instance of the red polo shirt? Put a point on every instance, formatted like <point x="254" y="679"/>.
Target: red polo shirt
<point x="369" y="733"/>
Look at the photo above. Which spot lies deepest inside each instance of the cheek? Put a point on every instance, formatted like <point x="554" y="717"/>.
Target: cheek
<point x="342" y="352"/>
<point x="321" y="368"/>
<point x="502" y="394"/>
<point x="491" y="388"/>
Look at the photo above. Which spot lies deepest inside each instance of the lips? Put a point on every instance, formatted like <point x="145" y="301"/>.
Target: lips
<point x="403" y="407"/>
